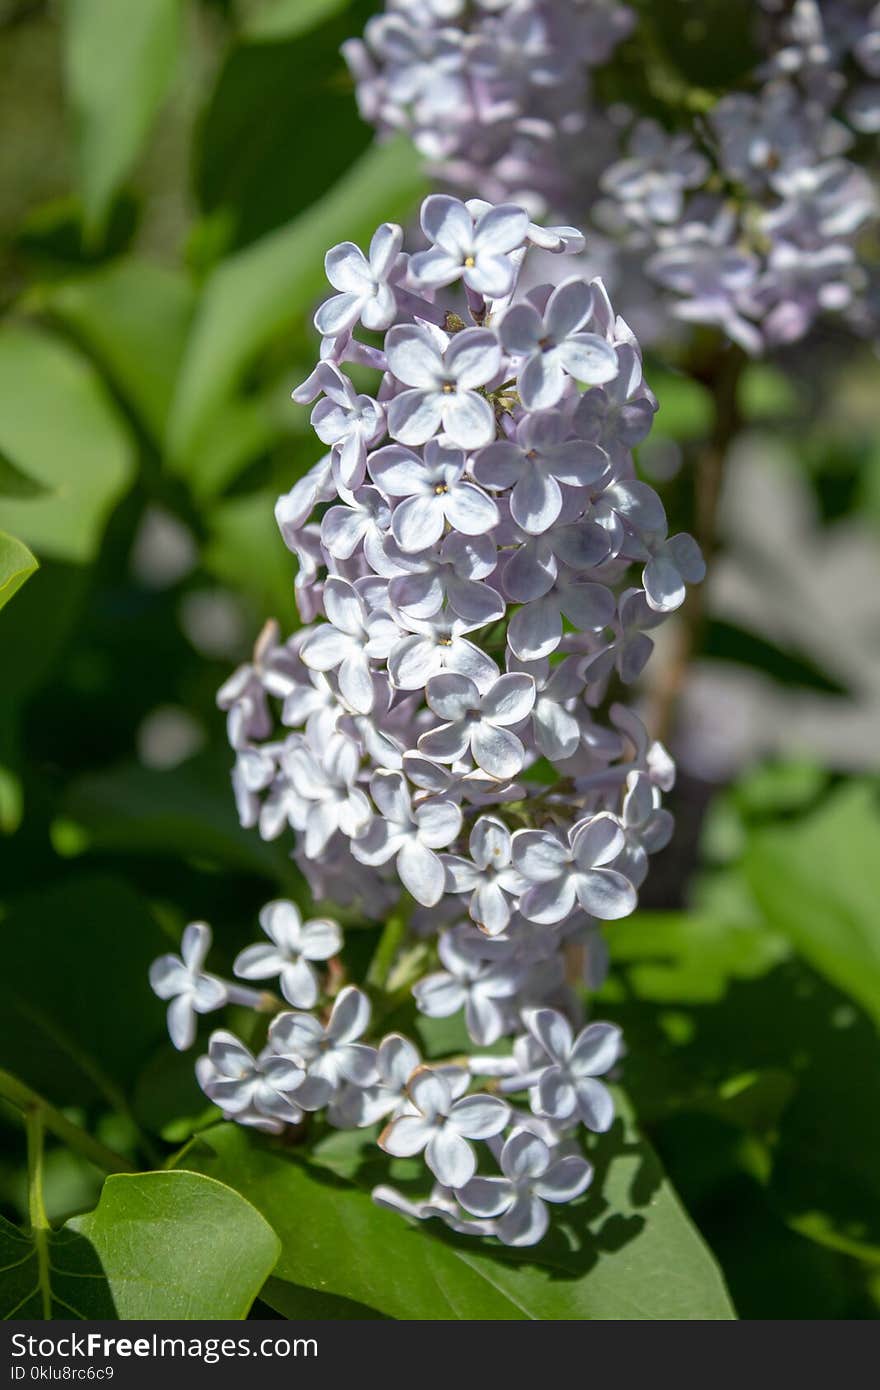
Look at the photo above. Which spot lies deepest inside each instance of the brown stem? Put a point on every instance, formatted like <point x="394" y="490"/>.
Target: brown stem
<point x="721" y="374"/>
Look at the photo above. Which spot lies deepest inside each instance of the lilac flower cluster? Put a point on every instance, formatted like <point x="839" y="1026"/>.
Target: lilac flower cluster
<point x="308" y="1066"/>
<point x="747" y="216"/>
<point x="478" y="563"/>
<point x="751" y="221"/>
<point x="495" y="94"/>
<point x="480" y="520"/>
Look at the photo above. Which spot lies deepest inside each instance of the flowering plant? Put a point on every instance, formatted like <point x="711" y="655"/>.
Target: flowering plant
<point x="744" y="208"/>
<point x="479" y="568"/>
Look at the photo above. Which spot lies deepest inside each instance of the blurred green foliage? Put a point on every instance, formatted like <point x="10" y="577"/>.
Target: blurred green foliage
<point x="172" y="175"/>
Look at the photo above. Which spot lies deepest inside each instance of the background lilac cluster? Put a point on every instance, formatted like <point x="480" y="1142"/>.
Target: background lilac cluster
<point x="747" y="211"/>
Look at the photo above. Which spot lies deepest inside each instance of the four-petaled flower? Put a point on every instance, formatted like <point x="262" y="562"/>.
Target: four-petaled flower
<point x="331" y="1054"/>
<point x="411" y="834"/>
<point x="472" y="982"/>
<point x="347" y="421"/>
<point x="295" y="944"/>
<point x="257" y="1091"/>
<point x="532" y="1176"/>
<point x="562" y="875"/>
<point x="363" y="282"/>
<point x="442" y="378"/>
<point x="476" y="252"/>
<point x="541" y="457"/>
<point x="434" y="492"/>
<point x="568" y="1087"/>
<point x="442" y="1127"/>
<point x="479" y="721"/>
<point x="353" y="635"/>
<point x="488" y="875"/>
<point x="183" y="981"/>
<point x="554" y="348"/>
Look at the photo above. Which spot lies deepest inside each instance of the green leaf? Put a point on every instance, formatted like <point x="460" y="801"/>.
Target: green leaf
<point x="188" y="810"/>
<point x="15" y="483"/>
<point x="54" y="1275"/>
<point x="119" y="62"/>
<point x="264" y="91"/>
<point x="629" y="1250"/>
<point x="178" y="1245"/>
<point x="304" y="1305"/>
<point x="245" y="551"/>
<point x="59" y="426"/>
<point x="50" y="604"/>
<point x="686" y="958"/>
<point x="77" y="1018"/>
<point x="818" y="882"/>
<point x="284" y="19"/>
<point x="268" y="289"/>
<point x="685" y="405"/>
<point x="725" y="641"/>
<point x="16" y="565"/>
<point x="133" y="316"/>
<point x="722" y="1020"/>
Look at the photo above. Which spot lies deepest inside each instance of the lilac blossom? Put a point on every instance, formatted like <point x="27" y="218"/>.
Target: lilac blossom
<point x="531" y="1176"/>
<point x="410" y="836"/>
<point x="442" y="1127"/>
<point x="292" y="948"/>
<point x="568" y="1085"/>
<point x="183" y="981"/>
<point x="553" y="348"/>
<point x="363" y="281"/>
<point x="487" y="875"/>
<point x="471" y="982"/>
<point x="469" y="553"/>
<point x="479" y="722"/>
<point x="442" y="377"/>
<point x="563" y="874"/>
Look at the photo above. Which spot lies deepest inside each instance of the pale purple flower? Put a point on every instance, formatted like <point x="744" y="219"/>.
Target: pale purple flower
<point x="257" y="1091"/>
<point x="646" y="827"/>
<point x="534" y="464"/>
<point x="555" y="726"/>
<point x="350" y="423"/>
<point x="326" y="789"/>
<point x="362" y="521"/>
<point x="295" y="944"/>
<point x="652" y="180"/>
<point x="438" y="644"/>
<point x="442" y="377"/>
<point x="536" y="629"/>
<point x="440" y="1204"/>
<point x="183" y="980"/>
<point x="470" y="982"/>
<point x="568" y="1087"/>
<point x="532" y="1177"/>
<point x="434" y="493"/>
<point x="329" y="1055"/>
<point x="348" y="641"/>
<point x="409" y="835"/>
<point x="479" y="721"/>
<point x="563" y="875"/>
<point x="674" y="564"/>
<point x="442" y="1127"/>
<point x="462" y="248"/>
<point x="618" y="415"/>
<point x="449" y="573"/>
<point x="553" y="346"/>
<point x="488" y="875"/>
<point x="363" y="282"/>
